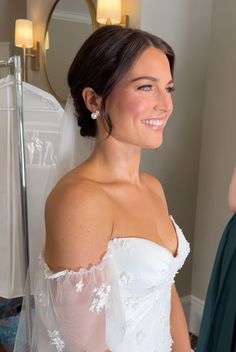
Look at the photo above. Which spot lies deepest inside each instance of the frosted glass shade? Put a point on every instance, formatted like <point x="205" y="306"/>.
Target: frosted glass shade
<point x="108" y="11"/>
<point x="24" y="33"/>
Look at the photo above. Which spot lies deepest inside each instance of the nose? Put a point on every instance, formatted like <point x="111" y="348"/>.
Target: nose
<point x="163" y="102"/>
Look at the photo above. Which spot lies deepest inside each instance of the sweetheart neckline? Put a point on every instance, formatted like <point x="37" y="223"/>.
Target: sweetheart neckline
<point x="155" y="243"/>
<point x="49" y="274"/>
<point x="150" y="241"/>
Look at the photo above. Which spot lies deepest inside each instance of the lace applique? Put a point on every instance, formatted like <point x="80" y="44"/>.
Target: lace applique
<point x="130" y="323"/>
<point x="132" y="301"/>
<point x="79" y="286"/>
<point x="123" y="244"/>
<point x="127" y="278"/>
<point x="55" y="340"/>
<point x="42" y="297"/>
<point x="140" y="336"/>
<point x="171" y="275"/>
<point x="101" y="298"/>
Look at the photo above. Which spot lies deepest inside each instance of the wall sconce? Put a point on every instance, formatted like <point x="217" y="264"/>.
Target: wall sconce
<point x="109" y="12"/>
<point x="24" y="39"/>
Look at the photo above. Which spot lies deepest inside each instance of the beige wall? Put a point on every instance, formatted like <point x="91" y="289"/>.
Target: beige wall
<point x="10" y="10"/>
<point x="5" y="21"/>
<point x="218" y="147"/>
<point x="38" y="11"/>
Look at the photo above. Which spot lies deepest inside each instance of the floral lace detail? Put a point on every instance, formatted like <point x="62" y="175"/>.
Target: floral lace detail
<point x="132" y="301"/>
<point x="127" y="278"/>
<point x="42" y="298"/>
<point x="79" y="286"/>
<point x="123" y="244"/>
<point x="140" y="336"/>
<point x="48" y="274"/>
<point x="101" y="298"/>
<point x="130" y="323"/>
<point x="55" y="340"/>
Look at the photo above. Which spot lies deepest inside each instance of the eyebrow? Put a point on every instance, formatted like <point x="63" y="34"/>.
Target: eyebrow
<point x="150" y="78"/>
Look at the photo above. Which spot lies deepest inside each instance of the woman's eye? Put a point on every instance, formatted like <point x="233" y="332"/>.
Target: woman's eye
<point x="170" y="89"/>
<point x="146" y="87"/>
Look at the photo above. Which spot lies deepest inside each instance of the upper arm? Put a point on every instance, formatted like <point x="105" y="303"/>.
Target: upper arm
<point x="78" y="226"/>
<point x="232" y="193"/>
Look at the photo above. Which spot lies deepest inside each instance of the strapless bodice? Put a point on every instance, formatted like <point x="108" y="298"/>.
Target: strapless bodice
<point x="146" y="273"/>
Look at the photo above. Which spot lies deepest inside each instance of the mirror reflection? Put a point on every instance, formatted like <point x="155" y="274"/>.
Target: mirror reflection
<point x="70" y="23"/>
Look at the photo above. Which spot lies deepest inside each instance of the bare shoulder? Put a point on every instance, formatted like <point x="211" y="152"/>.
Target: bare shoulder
<point x="154" y="184"/>
<point x="78" y="218"/>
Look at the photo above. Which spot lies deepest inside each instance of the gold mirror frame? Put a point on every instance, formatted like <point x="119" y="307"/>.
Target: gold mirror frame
<point x="92" y="11"/>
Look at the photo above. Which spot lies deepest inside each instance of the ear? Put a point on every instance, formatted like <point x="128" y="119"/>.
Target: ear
<point x="91" y="99"/>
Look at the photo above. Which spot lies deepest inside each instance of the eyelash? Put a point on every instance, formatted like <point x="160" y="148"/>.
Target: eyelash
<point x="144" y="87"/>
<point x="170" y="89"/>
<point x="149" y="86"/>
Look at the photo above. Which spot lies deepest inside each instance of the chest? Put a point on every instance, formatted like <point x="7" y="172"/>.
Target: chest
<point x="143" y="214"/>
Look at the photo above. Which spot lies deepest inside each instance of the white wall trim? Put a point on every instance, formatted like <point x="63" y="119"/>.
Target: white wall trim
<point x="193" y="308"/>
<point x="70" y="16"/>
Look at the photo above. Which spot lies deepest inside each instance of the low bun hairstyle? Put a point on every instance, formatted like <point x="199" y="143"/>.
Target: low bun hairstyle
<point x="101" y="63"/>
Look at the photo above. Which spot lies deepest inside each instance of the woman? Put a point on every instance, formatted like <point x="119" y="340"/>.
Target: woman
<point x="218" y="325"/>
<point x="112" y="250"/>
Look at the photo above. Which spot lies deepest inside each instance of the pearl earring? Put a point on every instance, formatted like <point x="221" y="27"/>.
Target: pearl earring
<point x="95" y="115"/>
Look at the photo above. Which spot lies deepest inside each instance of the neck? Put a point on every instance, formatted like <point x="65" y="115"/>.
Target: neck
<point x="118" y="160"/>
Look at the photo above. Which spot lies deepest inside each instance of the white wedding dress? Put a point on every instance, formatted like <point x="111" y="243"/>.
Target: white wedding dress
<point x="122" y="304"/>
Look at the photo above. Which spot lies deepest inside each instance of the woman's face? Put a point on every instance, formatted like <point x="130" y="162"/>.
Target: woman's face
<point x="141" y="104"/>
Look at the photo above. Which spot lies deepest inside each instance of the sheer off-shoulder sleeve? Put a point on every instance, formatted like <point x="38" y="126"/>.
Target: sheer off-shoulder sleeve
<point x="74" y="310"/>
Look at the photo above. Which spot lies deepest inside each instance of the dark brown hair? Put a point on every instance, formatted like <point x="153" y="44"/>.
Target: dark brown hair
<point x="101" y="63"/>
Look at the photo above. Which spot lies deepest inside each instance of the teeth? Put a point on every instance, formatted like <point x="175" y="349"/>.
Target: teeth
<point x="153" y="122"/>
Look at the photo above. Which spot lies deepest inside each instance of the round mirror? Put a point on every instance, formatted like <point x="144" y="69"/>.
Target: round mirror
<point x="70" y="23"/>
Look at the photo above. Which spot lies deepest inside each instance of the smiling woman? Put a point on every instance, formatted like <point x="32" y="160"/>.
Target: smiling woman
<point x="106" y="276"/>
<point x="142" y="103"/>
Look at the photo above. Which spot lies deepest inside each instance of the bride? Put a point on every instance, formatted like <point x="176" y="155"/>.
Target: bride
<point x="106" y="278"/>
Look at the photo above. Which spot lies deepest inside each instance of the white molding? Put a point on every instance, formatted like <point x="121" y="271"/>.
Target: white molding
<point x="70" y="16"/>
<point x="193" y="308"/>
<point x="186" y="302"/>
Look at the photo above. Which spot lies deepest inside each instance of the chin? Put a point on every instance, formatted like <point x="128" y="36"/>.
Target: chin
<point x="153" y="144"/>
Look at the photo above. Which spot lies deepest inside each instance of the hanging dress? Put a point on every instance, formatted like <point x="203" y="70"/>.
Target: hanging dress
<point x="42" y="116"/>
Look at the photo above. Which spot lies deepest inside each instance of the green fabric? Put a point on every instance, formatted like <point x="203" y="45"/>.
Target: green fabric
<point x="218" y="327"/>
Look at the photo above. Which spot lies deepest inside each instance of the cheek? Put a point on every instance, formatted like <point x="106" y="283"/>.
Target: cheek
<point x="133" y="106"/>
